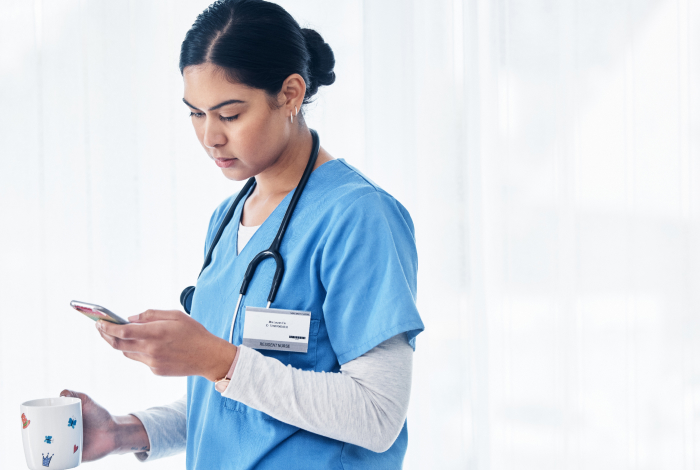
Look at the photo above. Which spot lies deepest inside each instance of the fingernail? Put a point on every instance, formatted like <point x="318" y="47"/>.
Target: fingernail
<point x="98" y="325"/>
<point x="133" y="318"/>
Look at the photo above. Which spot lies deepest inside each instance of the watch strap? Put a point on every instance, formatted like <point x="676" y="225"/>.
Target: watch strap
<point x="223" y="382"/>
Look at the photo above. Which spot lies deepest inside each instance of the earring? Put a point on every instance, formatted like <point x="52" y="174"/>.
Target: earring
<point x="291" y="118"/>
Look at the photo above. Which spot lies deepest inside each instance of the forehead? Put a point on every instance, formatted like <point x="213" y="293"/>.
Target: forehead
<point x="206" y="85"/>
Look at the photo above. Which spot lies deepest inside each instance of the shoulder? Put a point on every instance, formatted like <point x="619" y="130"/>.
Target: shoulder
<point x="344" y="180"/>
<point x="350" y="195"/>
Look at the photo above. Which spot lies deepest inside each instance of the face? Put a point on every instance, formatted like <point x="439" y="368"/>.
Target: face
<point x="235" y="124"/>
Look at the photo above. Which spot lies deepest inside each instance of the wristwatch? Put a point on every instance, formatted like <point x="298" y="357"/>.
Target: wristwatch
<point x="221" y="384"/>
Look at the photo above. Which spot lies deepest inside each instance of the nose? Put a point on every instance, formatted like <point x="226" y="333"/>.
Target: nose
<point x="213" y="137"/>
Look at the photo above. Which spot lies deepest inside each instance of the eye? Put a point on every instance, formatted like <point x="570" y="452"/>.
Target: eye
<point x="223" y="118"/>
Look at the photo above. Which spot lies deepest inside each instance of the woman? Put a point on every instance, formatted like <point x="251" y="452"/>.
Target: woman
<point x="339" y="400"/>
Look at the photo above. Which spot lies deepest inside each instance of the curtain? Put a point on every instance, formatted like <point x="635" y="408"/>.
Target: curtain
<point x="547" y="152"/>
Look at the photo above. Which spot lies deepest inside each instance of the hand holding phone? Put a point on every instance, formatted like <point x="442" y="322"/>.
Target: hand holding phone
<point x="97" y="312"/>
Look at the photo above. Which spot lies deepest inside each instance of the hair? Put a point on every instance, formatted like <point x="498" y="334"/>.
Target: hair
<point x="258" y="44"/>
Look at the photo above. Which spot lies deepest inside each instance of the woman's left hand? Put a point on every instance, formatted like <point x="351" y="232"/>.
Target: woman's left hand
<point x="172" y="343"/>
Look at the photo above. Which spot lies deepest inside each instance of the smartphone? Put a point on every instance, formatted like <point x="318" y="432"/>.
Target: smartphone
<point x="97" y="312"/>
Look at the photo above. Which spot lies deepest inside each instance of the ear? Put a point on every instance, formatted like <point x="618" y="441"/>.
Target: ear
<point x="292" y="92"/>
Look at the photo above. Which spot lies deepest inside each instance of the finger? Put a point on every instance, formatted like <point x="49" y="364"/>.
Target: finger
<point x="134" y="356"/>
<point x="70" y="393"/>
<point x="121" y="344"/>
<point x="122" y="331"/>
<point x="156" y="315"/>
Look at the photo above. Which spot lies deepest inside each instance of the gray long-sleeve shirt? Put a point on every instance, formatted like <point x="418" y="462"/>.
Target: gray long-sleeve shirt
<point x="364" y="404"/>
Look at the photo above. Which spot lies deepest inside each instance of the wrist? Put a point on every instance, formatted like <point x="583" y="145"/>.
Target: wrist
<point x="221" y="362"/>
<point x="130" y="435"/>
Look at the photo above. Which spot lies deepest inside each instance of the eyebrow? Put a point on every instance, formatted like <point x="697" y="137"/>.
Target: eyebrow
<point x="213" y="107"/>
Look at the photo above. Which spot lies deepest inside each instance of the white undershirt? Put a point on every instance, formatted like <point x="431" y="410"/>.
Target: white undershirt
<point x="364" y="404"/>
<point x="244" y="235"/>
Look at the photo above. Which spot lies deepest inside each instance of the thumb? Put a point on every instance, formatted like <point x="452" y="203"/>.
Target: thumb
<point x="155" y="315"/>
<point x="71" y="393"/>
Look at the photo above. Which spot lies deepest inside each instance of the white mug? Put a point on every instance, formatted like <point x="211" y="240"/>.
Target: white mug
<point x="52" y="433"/>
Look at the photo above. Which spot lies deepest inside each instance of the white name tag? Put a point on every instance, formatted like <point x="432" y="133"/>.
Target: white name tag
<point x="276" y="329"/>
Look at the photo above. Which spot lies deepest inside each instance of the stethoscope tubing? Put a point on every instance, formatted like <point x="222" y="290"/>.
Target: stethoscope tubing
<point x="272" y="251"/>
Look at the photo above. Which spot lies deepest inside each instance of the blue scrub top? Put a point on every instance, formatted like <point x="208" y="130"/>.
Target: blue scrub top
<point x="350" y="259"/>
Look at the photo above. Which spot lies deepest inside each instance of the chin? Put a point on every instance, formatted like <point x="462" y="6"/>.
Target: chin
<point x="234" y="175"/>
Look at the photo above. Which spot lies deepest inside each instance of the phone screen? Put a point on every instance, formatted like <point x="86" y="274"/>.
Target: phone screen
<point x="97" y="312"/>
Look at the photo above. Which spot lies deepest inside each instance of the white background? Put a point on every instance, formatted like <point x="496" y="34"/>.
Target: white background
<point x="548" y="152"/>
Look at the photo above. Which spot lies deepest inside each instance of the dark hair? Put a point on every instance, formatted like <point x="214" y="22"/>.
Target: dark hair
<point x="258" y="44"/>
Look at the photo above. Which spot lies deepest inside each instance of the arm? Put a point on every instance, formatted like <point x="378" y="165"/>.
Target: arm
<point x="166" y="427"/>
<point x="370" y="393"/>
<point x="172" y="343"/>
<point x="364" y="404"/>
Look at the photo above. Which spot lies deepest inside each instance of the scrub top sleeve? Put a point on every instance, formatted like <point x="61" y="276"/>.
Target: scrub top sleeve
<point x="369" y="270"/>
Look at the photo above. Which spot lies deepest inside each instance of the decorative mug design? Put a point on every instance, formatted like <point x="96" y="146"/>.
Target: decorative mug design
<point x="55" y="437"/>
<point x="46" y="461"/>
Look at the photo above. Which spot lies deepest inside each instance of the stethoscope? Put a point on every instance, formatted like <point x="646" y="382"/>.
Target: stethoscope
<point x="272" y="252"/>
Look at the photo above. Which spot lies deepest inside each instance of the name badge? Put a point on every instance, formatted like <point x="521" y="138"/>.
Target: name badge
<point x="276" y="329"/>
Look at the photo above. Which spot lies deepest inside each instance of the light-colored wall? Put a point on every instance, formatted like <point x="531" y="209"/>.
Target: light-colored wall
<point x="547" y="151"/>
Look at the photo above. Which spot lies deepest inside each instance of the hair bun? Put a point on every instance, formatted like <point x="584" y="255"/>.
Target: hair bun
<point x="321" y="63"/>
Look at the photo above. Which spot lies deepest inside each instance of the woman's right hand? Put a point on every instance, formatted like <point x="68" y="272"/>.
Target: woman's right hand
<point x="99" y="428"/>
<point x="104" y="434"/>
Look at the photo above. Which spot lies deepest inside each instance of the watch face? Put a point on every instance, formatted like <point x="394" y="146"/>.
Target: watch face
<point x="222" y="385"/>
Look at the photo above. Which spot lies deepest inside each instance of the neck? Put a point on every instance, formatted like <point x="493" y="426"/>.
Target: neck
<point x="285" y="173"/>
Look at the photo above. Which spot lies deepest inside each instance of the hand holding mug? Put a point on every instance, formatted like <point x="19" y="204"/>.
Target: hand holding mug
<point x="105" y="434"/>
<point x="99" y="429"/>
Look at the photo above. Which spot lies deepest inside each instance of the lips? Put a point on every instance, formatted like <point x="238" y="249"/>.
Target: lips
<point x="225" y="162"/>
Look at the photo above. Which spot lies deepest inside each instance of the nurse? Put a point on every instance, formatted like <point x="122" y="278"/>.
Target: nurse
<point x="335" y="393"/>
